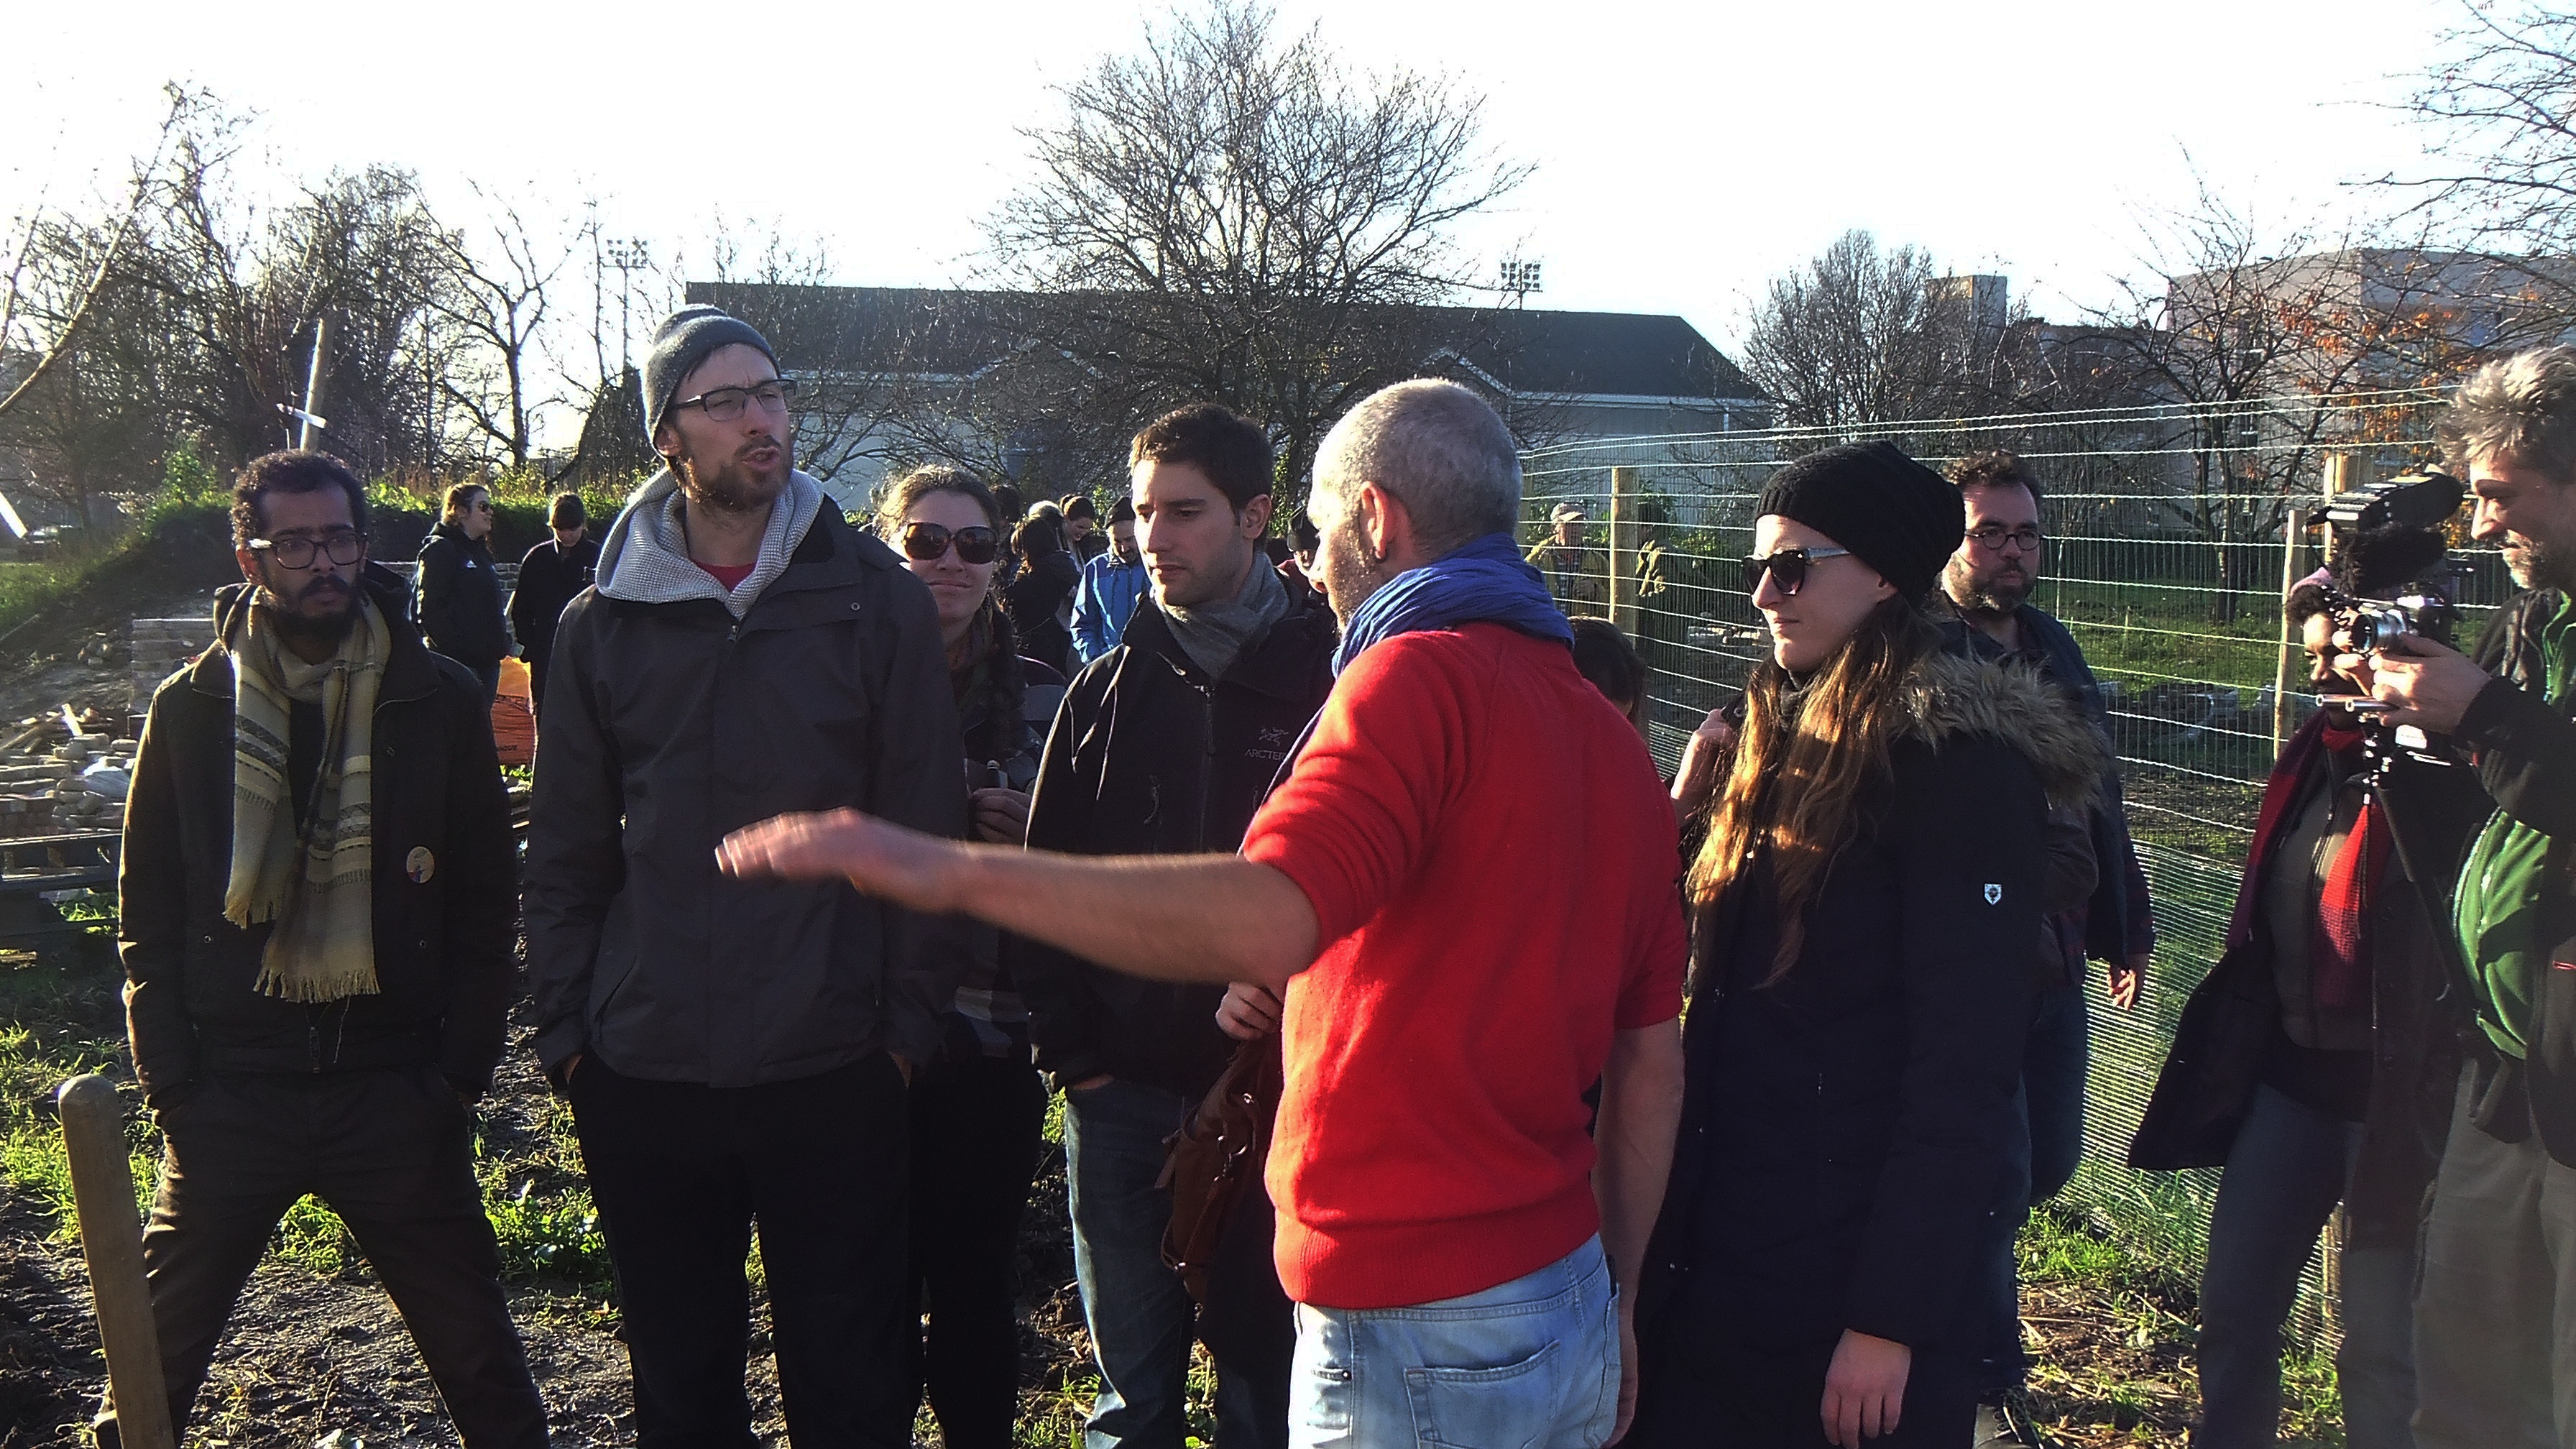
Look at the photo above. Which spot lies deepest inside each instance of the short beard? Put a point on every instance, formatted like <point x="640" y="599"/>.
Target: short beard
<point x="731" y="487"/>
<point x="298" y="627"/>
<point x="2546" y="566"/>
<point x="1991" y="597"/>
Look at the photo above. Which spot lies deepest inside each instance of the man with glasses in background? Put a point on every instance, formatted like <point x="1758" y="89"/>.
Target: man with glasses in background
<point x="1985" y="613"/>
<point x="460" y="595"/>
<point x="315" y="913"/>
<point x="739" y="1052"/>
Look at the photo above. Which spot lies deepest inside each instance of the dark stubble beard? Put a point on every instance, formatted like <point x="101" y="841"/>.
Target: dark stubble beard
<point x="298" y="627"/>
<point x="734" y="486"/>
<point x="1992" y="596"/>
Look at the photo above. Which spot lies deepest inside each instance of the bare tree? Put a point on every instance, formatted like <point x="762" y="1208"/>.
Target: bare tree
<point x="1861" y="338"/>
<point x="2239" y="335"/>
<point x="42" y="311"/>
<point x="498" y="298"/>
<point x="1231" y="217"/>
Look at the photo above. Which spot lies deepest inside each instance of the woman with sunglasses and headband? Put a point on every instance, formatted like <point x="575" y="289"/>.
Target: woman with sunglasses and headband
<point x="1864" y="908"/>
<point x="979" y="1107"/>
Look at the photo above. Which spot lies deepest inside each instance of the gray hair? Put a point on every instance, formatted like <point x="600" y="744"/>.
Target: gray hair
<point x="2521" y="408"/>
<point x="1439" y="449"/>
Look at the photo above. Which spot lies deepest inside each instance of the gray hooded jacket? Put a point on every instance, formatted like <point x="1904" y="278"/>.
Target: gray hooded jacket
<point x="677" y="711"/>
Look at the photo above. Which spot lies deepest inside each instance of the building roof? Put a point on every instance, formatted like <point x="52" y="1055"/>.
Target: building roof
<point x="1528" y="353"/>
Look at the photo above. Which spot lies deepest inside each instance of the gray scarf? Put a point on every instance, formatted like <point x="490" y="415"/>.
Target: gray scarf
<point x="1215" y="635"/>
<point x="645" y="558"/>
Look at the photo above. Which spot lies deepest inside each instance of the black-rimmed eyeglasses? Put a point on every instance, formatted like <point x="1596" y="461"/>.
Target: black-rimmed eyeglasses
<point x="1994" y="536"/>
<point x="1787" y="567"/>
<point x="724" y="404"/>
<point x="344" y="547"/>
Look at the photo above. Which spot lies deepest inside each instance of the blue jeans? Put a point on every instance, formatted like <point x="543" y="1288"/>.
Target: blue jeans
<point x="2284" y="1175"/>
<point x="1140" y="1318"/>
<point x="2041" y="1160"/>
<point x="1533" y="1362"/>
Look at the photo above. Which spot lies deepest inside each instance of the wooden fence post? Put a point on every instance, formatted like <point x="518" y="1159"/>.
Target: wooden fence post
<point x="112" y="1242"/>
<point x="1625" y="534"/>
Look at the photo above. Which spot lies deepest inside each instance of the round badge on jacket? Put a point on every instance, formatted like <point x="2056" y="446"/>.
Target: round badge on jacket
<point x="420" y="865"/>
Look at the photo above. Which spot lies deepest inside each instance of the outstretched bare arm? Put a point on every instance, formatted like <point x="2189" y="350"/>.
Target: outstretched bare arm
<point x="1216" y="918"/>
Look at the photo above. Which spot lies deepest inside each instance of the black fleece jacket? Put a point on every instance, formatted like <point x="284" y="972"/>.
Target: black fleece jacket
<point x="1150" y="757"/>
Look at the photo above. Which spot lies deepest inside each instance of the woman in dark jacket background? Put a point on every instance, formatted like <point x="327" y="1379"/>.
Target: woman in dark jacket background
<point x="1867" y="903"/>
<point x="978" y="1108"/>
<point x="2317" y="1060"/>
<point x="460" y="595"/>
<point x="1040" y="599"/>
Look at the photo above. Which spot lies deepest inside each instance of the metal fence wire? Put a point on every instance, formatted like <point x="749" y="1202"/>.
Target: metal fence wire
<point x="2171" y="532"/>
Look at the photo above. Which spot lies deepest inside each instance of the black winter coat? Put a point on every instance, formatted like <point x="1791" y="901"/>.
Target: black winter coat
<point x="1036" y="599"/>
<point x="669" y="725"/>
<point x="2227" y="1029"/>
<point x="1150" y="757"/>
<point x="460" y="598"/>
<point x="443" y="943"/>
<point x="2526" y="761"/>
<point x="549" y="576"/>
<point x="1844" y="1130"/>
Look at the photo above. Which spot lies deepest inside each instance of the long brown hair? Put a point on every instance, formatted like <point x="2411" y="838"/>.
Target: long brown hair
<point x="1802" y="765"/>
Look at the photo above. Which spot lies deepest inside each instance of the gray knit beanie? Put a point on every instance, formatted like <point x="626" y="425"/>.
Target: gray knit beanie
<point x="684" y="340"/>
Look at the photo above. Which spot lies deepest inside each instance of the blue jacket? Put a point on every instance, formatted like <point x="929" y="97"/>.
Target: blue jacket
<point x="1104" y="602"/>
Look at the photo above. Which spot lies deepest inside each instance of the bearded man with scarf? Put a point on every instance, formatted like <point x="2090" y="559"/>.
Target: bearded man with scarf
<point x="2316" y="1061"/>
<point x="1446" y="1225"/>
<point x="737" y="1053"/>
<point x="315" y="916"/>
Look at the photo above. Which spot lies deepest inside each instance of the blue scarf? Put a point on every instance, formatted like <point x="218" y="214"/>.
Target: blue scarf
<point x="1486" y="582"/>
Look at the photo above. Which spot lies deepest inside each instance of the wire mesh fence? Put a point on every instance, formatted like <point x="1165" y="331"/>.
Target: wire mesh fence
<point x="2171" y="535"/>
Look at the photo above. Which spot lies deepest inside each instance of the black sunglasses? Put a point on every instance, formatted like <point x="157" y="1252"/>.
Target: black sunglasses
<point x="927" y="542"/>
<point x="1788" y="567"/>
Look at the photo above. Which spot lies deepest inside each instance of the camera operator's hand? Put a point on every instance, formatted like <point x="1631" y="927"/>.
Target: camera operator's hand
<point x="2425" y="684"/>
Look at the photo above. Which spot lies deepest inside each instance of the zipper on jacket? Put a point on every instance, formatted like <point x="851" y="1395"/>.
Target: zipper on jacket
<point x="1207" y="756"/>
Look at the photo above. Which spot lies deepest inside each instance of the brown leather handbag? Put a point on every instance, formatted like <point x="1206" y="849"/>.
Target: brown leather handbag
<point x="1219" y="1151"/>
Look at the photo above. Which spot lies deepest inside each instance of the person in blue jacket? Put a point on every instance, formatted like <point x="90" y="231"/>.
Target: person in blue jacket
<point x="1111" y="586"/>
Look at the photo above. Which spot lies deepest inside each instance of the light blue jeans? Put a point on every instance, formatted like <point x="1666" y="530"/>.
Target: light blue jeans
<point x="1531" y="1364"/>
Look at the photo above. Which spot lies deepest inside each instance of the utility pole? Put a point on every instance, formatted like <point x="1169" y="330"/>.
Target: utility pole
<point x="311" y="431"/>
<point x="628" y="257"/>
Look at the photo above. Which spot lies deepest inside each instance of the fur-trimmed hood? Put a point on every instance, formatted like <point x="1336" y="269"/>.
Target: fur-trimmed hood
<point x="1947" y="696"/>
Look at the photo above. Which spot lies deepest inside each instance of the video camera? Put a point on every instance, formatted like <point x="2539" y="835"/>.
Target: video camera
<point x="2424" y="500"/>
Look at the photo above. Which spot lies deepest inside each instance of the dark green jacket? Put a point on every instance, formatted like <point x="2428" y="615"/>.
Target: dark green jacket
<point x="2524" y="742"/>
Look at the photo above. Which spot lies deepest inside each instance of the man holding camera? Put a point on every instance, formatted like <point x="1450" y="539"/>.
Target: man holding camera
<point x="2495" y="1337"/>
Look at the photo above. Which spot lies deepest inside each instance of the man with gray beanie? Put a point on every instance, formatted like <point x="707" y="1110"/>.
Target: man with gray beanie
<point x="735" y="1052"/>
<point x="1451" y="1216"/>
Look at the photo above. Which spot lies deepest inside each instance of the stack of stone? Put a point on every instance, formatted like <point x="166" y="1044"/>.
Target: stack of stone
<point x="157" y="647"/>
<point x="55" y="781"/>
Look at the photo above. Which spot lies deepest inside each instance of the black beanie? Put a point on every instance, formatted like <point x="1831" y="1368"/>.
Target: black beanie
<point x="684" y="340"/>
<point x="1895" y="515"/>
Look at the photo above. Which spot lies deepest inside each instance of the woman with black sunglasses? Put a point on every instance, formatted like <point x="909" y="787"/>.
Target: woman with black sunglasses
<point x="1865" y="907"/>
<point x="979" y="1107"/>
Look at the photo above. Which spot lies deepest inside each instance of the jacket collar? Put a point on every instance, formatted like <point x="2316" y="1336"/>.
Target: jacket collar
<point x="1280" y="663"/>
<point x="409" y="671"/>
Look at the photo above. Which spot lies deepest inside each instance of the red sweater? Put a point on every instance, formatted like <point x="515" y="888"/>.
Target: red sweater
<point x="1493" y="864"/>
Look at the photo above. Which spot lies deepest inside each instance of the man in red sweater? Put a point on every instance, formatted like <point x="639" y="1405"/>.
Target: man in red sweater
<point x="1465" y="895"/>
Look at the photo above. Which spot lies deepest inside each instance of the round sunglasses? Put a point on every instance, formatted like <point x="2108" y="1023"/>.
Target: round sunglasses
<point x="928" y="542"/>
<point x="1788" y="567"/>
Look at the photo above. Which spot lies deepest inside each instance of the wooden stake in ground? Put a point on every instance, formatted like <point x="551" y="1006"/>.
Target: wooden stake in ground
<point x="112" y="1241"/>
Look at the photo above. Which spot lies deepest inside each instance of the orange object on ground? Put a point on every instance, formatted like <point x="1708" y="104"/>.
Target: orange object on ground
<point x="514" y="724"/>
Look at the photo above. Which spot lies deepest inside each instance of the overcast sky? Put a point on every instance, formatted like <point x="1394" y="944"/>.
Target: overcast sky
<point x="1685" y="152"/>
